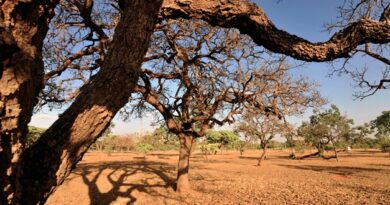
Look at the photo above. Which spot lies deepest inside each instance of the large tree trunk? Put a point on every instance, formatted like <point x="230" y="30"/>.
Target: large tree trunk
<point x="183" y="183"/>
<point x="46" y="163"/>
<point x="23" y="27"/>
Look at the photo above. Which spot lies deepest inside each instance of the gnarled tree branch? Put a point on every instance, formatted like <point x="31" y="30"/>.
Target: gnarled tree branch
<point x="251" y="19"/>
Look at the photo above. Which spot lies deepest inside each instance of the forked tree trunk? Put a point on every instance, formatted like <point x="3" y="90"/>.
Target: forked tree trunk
<point x="46" y="163"/>
<point x="23" y="27"/>
<point x="183" y="183"/>
<point x="262" y="156"/>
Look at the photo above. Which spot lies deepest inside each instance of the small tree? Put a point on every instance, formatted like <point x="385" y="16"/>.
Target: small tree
<point x="262" y="129"/>
<point x="328" y="127"/>
<point x="222" y="138"/>
<point x="144" y="148"/>
<point x="382" y="125"/>
<point x="359" y="136"/>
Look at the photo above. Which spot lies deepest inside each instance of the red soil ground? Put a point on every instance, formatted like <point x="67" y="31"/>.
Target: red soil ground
<point x="362" y="177"/>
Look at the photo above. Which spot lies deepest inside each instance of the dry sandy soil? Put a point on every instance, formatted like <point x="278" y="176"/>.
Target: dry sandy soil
<point x="362" y="177"/>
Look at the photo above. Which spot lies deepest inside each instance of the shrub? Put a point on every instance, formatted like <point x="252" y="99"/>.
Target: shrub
<point x="211" y="148"/>
<point x="144" y="148"/>
<point x="385" y="146"/>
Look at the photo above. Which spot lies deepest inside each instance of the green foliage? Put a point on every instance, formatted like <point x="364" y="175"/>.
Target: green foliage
<point x="385" y="147"/>
<point x="272" y="144"/>
<point x="223" y="138"/>
<point x="161" y="139"/>
<point x="328" y="127"/>
<point x="211" y="148"/>
<point x="382" y="124"/>
<point x="384" y="144"/>
<point x="366" y="143"/>
<point x="144" y="148"/>
<point x="34" y="133"/>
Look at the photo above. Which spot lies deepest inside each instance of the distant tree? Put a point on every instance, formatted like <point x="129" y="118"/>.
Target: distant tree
<point x="223" y="138"/>
<point x="165" y="135"/>
<point x="104" y="142"/>
<point x="144" y="148"/>
<point x="328" y="127"/>
<point x="209" y="148"/>
<point x="382" y="124"/>
<point x="385" y="146"/>
<point x="34" y="133"/>
<point x="360" y="136"/>
<point x="262" y="129"/>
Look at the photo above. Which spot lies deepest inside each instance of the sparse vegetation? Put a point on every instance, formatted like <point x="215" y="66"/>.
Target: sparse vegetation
<point x="197" y="63"/>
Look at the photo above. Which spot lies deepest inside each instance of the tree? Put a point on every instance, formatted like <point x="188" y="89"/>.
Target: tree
<point x="328" y="127"/>
<point x="46" y="163"/>
<point x="382" y="124"/>
<point x="261" y="128"/>
<point x="366" y="22"/>
<point x="199" y="76"/>
<point x="385" y="146"/>
<point x="223" y="138"/>
<point x="23" y="27"/>
<point x="359" y="135"/>
<point x="192" y="81"/>
<point x="144" y="148"/>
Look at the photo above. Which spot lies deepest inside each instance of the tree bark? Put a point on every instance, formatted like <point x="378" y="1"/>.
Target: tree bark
<point x="308" y="155"/>
<point x="251" y="19"/>
<point x="45" y="165"/>
<point x="23" y="27"/>
<point x="183" y="183"/>
<point x="262" y="156"/>
<point x="335" y="151"/>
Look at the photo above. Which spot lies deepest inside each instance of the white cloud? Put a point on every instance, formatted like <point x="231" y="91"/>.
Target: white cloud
<point x="43" y="120"/>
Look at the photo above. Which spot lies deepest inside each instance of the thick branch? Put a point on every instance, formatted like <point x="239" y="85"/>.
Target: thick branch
<point x="252" y="20"/>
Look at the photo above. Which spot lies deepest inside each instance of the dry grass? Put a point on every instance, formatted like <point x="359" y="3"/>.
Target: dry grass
<point x="362" y="177"/>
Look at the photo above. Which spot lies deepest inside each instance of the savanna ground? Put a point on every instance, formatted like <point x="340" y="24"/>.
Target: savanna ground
<point x="362" y="177"/>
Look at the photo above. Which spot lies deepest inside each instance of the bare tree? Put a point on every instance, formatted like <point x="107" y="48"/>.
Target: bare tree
<point x="290" y="98"/>
<point x="200" y="76"/>
<point x="261" y="129"/>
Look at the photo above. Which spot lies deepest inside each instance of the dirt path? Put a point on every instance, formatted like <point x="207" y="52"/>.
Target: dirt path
<point x="127" y="178"/>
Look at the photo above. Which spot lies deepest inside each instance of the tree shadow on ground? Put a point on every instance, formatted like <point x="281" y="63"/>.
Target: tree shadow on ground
<point x="340" y="170"/>
<point x="154" y="175"/>
<point x="380" y="165"/>
<point x="367" y="189"/>
<point x="271" y="157"/>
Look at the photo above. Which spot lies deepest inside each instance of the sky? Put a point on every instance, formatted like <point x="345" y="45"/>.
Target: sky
<point x="305" y="18"/>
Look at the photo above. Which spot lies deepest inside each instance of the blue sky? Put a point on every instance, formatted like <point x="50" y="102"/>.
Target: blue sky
<point x="304" y="18"/>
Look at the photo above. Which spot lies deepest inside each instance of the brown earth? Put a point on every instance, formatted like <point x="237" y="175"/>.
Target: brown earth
<point x="362" y="177"/>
